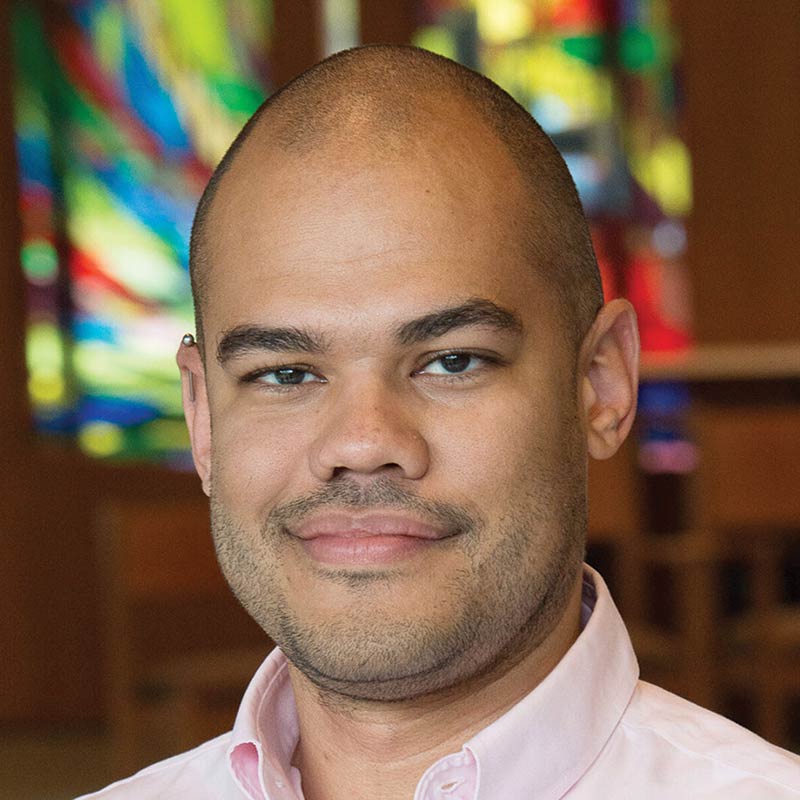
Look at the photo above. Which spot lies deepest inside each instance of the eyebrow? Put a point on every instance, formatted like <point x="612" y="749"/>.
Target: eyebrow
<point x="473" y="313"/>
<point x="245" y="339"/>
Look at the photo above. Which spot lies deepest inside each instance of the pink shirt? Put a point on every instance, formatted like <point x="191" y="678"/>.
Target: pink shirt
<point x="591" y="729"/>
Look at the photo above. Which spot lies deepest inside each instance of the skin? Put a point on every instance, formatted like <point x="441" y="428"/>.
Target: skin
<point x="397" y="664"/>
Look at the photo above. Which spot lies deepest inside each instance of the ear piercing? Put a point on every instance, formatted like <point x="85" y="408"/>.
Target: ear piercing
<point x="187" y="340"/>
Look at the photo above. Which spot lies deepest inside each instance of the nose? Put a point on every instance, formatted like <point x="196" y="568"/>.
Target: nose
<point x="368" y="429"/>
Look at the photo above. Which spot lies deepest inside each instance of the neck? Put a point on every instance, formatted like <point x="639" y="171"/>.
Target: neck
<point x="354" y="750"/>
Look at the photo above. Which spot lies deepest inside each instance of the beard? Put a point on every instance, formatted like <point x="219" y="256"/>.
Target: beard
<point x="505" y="598"/>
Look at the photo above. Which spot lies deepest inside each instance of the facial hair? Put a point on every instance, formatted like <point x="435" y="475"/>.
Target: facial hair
<point x="506" y="598"/>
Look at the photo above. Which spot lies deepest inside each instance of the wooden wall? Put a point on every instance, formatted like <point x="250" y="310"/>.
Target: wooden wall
<point x="742" y="65"/>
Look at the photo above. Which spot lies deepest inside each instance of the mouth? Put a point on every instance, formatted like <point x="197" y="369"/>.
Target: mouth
<point x="346" y="539"/>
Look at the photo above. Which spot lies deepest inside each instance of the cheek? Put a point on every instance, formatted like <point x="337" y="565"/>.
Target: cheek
<point x="513" y="461"/>
<point x="497" y="436"/>
<point x="256" y="458"/>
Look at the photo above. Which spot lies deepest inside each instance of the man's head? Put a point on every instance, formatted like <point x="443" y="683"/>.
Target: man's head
<point x="382" y="101"/>
<point x="404" y="368"/>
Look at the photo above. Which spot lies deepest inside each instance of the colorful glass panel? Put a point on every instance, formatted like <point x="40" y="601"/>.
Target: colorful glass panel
<point x="123" y="108"/>
<point x="601" y="78"/>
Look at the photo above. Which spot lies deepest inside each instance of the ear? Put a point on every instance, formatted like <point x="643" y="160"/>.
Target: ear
<point x="609" y="378"/>
<point x="195" y="408"/>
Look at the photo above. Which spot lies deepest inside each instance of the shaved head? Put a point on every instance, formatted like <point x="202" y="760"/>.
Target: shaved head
<point x="378" y="103"/>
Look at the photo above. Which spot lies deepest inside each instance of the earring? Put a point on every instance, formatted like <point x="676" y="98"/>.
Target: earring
<point x="187" y="340"/>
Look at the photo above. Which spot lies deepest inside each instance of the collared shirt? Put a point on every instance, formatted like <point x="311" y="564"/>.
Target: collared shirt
<point x="590" y="729"/>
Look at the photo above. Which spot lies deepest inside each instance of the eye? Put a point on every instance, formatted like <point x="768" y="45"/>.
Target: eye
<point x="283" y="376"/>
<point x="453" y="364"/>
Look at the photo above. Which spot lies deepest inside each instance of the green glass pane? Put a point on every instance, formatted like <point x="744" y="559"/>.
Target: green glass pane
<point x="237" y="97"/>
<point x="638" y="49"/>
<point x="39" y="261"/>
<point x="590" y="49"/>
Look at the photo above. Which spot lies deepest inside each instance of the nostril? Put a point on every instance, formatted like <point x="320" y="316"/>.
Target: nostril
<point x="391" y="468"/>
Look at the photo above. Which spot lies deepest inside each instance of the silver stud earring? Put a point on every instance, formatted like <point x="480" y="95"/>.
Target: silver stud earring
<point x="187" y="340"/>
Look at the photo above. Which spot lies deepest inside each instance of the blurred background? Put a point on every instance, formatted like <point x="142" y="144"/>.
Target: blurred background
<point x="680" y="123"/>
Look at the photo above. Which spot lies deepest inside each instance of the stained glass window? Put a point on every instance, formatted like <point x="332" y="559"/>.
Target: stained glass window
<point x="601" y="76"/>
<point x="123" y="109"/>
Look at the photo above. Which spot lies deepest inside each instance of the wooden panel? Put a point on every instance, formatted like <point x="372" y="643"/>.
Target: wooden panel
<point x="164" y="593"/>
<point x="17" y="625"/>
<point x="741" y="62"/>
<point x="156" y="550"/>
<point x="751" y="466"/>
<point x="174" y="633"/>
<point x="614" y="496"/>
<point x="297" y="38"/>
<point x="387" y="22"/>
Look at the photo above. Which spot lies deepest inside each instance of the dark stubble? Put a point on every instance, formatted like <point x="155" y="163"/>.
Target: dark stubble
<point x="507" y="598"/>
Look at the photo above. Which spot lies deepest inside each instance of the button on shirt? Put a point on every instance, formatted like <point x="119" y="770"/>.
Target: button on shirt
<point x="591" y="729"/>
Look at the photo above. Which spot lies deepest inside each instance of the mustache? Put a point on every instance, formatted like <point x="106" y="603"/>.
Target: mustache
<point x="381" y="493"/>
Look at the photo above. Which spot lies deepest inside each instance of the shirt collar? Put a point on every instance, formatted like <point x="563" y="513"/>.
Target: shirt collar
<point x="265" y="734"/>
<point x="546" y="742"/>
<point x="539" y="748"/>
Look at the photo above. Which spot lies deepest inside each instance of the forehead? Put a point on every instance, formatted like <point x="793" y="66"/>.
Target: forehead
<point x="434" y="220"/>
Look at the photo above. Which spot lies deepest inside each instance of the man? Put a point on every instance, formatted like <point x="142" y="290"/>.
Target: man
<point x="402" y="363"/>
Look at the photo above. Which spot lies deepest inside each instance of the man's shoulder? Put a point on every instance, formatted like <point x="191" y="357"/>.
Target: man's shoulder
<point x="200" y="773"/>
<point x="680" y="735"/>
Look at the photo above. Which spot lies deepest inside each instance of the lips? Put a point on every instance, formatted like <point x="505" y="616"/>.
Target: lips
<point x="363" y="526"/>
<point x="362" y="540"/>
